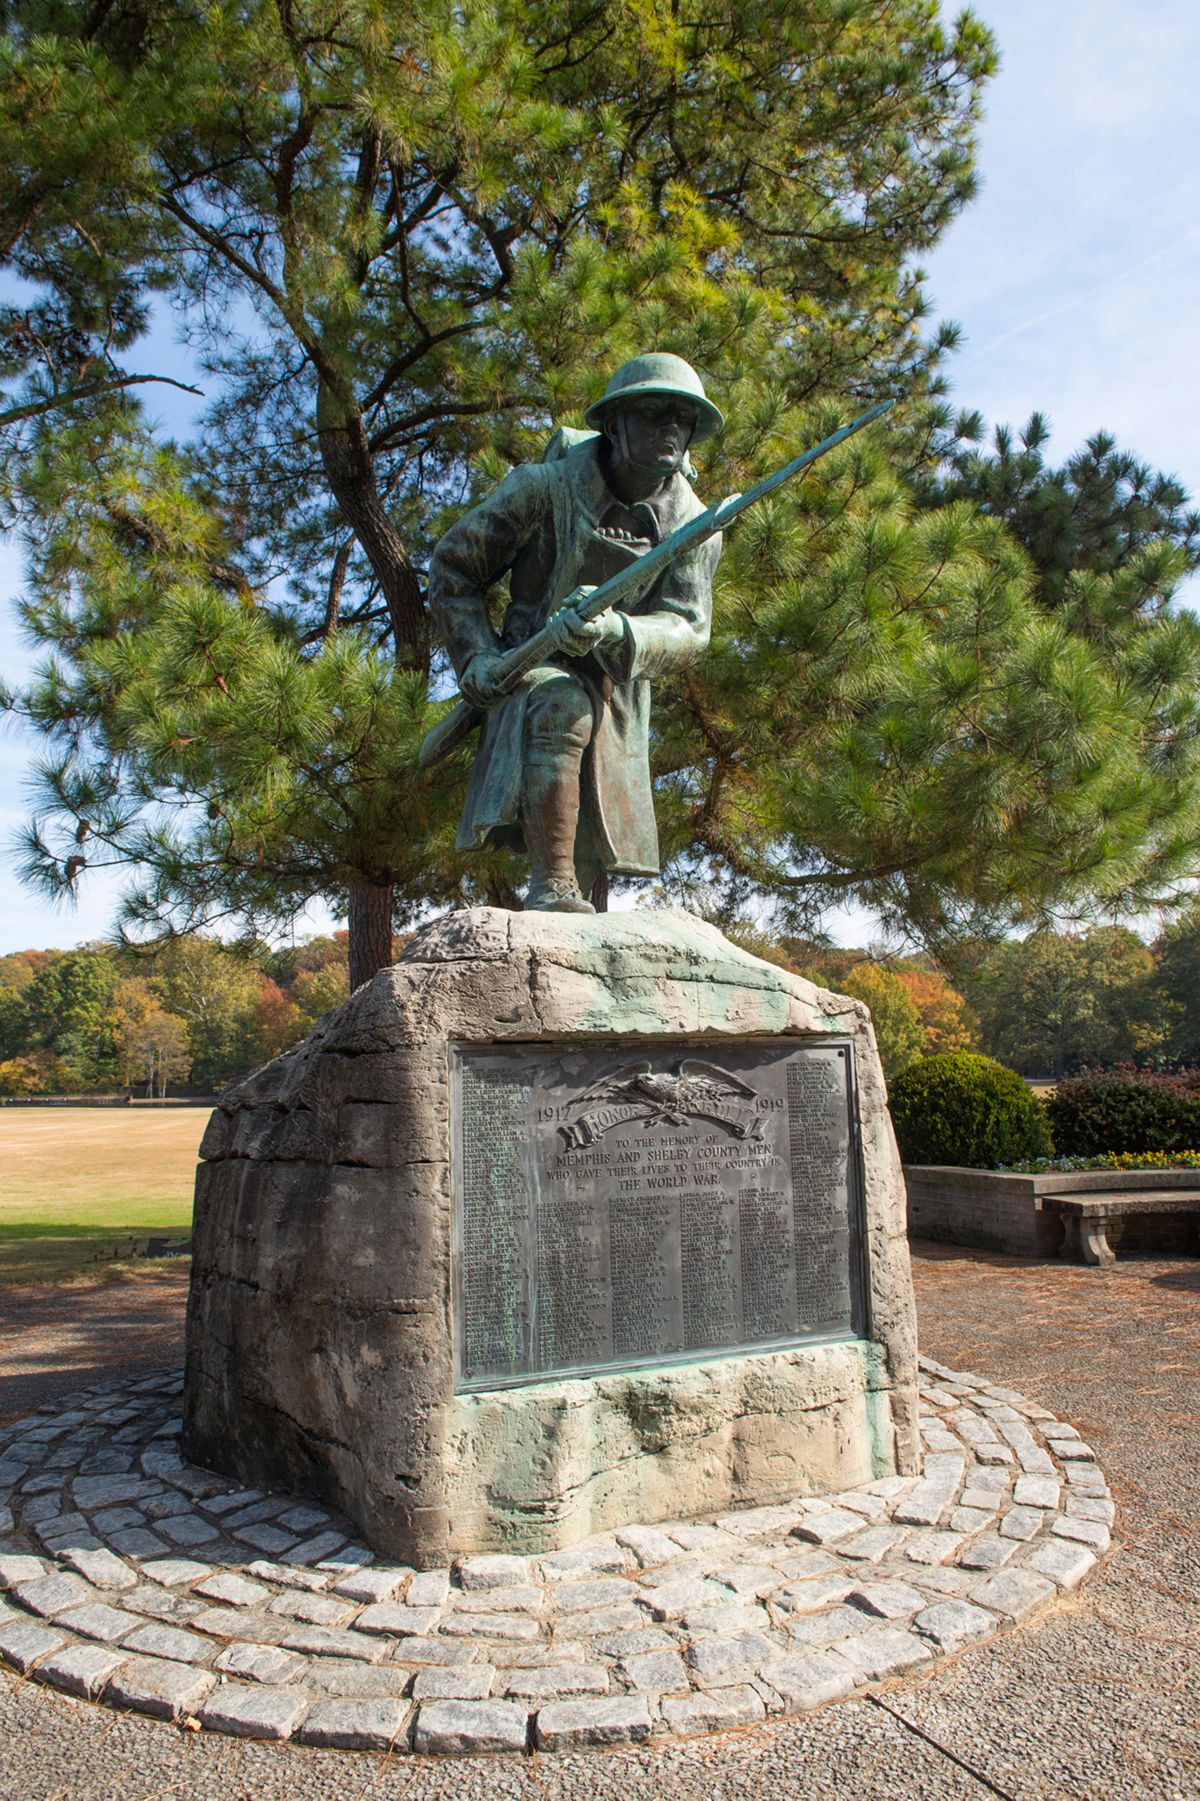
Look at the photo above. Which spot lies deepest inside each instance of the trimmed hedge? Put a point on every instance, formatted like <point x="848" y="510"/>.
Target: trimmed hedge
<point x="1125" y="1110"/>
<point x="960" y="1108"/>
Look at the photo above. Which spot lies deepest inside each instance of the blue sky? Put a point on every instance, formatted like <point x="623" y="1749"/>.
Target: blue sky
<point x="1075" y="276"/>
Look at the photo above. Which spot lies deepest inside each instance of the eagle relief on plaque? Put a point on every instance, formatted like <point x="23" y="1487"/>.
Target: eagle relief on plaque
<point x="634" y="1204"/>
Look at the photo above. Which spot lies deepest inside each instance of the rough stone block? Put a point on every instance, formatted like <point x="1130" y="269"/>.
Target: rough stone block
<point x="469" y="1728"/>
<point x="464" y="1682"/>
<point x="319" y="1317"/>
<point x="16" y="1567"/>
<point x="1014" y="1592"/>
<point x="497" y="1571"/>
<point x="553" y="1680"/>
<point x="1084" y="1532"/>
<point x="99" y="1567"/>
<point x="720" y="1662"/>
<point x="1022" y="1522"/>
<point x="1037" y="1491"/>
<point x="260" y="1663"/>
<point x="884" y="1651"/>
<point x="717" y="1712"/>
<point x="1066" y="1564"/>
<point x="654" y="1672"/>
<point x="169" y="1641"/>
<point x="886" y="1600"/>
<point x="372" y="1586"/>
<point x="155" y="1686"/>
<point x="233" y="1589"/>
<point x="572" y="1725"/>
<point x="23" y="1643"/>
<point x="334" y="1641"/>
<point x="96" y="1620"/>
<point x="951" y="1623"/>
<point x="356" y="1725"/>
<point x="828" y="1527"/>
<point x="259" y="1712"/>
<point x="80" y="1670"/>
<point x="316" y="1610"/>
<point x="175" y="1572"/>
<point x="804" y="1679"/>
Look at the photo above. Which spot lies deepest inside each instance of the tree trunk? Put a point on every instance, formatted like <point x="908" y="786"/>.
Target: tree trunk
<point x="599" y="894"/>
<point x="370" y="930"/>
<point x="346" y="458"/>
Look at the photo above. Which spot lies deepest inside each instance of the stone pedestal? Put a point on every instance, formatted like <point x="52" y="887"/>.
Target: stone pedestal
<point x="550" y="1228"/>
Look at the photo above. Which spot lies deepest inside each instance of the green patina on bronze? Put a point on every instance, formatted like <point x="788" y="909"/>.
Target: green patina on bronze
<point x="562" y="768"/>
<point x="610" y="559"/>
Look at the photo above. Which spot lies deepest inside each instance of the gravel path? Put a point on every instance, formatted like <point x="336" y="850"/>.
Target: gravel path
<point x="1099" y="1699"/>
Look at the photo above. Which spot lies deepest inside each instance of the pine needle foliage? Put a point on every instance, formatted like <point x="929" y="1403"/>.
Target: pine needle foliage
<point x="401" y="243"/>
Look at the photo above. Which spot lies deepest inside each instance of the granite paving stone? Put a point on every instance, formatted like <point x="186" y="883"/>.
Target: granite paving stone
<point x="261" y="1663"/>
<point x="893" y="1600"/>
<point x="572" y="1725"/>
<point x="371" y="1585"/>
<point x="235" y="1590"/>
<point x="550" y="1680"/>
<point x="1015" y="1592"/>
<point x="884" y="1651"/>
<point x="1064" y="1563"/>
<point x="79" y="1669"/>
<point x="51" y="1594"/>
<point x="356" y="1725"/>
<point x="428" y="1588"/>
<point x="688" y="1627"/>
<point x="950" y="1623"/>
<point x="254" y="1712"/>
<point x="653" y="1672"/>
<point x="469" y="1728"/>
<point x="1084" y="1532"/>
<point x="97" y="1620"/>
<point x="23" y="1643"/>
<point x="717" y="1711"/>
<point x="170" y="1641"/>
<point x="156" y="1686"/>
<point x="805" y="1679"/>
<point x="454" y="1682"/>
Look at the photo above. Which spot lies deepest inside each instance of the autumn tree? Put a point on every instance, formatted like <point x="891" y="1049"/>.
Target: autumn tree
<point x="947" y="1021"/>
<point x="151" y="1044"/>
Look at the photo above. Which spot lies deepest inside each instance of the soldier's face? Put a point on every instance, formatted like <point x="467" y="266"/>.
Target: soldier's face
<point x="653" y="433"/>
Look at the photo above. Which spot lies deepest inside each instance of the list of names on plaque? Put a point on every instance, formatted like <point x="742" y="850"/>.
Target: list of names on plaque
<point x="630" y="1204"/>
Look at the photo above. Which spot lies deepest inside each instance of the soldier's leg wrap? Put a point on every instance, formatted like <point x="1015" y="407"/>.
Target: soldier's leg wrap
<point x="558" y="729"/>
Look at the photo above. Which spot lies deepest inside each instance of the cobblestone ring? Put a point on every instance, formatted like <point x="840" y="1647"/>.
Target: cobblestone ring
<point x="135" y="1579"/>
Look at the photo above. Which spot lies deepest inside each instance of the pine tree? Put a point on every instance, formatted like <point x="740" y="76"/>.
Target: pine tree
<point x="402" y="246"/>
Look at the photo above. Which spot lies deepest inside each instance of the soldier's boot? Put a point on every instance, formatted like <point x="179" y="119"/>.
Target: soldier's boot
<point x="559" y="728"/>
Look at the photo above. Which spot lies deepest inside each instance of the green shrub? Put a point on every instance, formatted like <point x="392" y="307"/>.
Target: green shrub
<point x="1125" y="1110"/>
<point x="960" y="1108"/>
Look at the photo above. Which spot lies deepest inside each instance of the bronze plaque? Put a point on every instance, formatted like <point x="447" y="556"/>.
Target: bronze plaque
<point x="635" y="1204"/>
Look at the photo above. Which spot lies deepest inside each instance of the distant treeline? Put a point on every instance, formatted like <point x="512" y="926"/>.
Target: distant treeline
<point x="190" y="1015"/>
<point x="194" y="1013"/>
<point x="1048" y="1004"/>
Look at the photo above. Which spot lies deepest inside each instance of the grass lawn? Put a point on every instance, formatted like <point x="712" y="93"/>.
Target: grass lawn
<point x="88" y="1192"/>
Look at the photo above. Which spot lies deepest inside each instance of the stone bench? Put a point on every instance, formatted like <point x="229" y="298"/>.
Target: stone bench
<point x="1086" y="1218"/>
<point x="1055" y="1213"/>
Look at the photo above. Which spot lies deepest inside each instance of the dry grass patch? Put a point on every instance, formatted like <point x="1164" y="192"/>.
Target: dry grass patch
<point x="85" y="1191"/>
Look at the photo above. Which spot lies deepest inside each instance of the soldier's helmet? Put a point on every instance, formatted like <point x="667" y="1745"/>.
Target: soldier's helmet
<point x="658" y="372"/>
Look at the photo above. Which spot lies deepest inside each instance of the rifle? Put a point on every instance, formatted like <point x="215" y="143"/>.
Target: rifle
<point x="588" y="603"/>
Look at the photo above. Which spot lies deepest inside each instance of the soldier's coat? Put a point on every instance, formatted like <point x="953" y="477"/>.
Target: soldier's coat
<point x="543" y="528"/>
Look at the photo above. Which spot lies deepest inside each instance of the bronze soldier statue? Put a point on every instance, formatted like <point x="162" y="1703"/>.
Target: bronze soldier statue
<point x="562" y="769"/>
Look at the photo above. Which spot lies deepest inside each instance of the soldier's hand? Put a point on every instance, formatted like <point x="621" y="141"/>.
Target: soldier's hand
<point x="478" y="683"/>
<point x="577" y="637"/>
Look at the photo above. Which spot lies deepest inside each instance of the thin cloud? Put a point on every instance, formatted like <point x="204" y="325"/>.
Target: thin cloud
<point x="1089" y="294"/>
